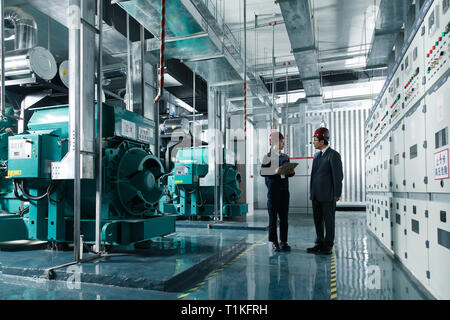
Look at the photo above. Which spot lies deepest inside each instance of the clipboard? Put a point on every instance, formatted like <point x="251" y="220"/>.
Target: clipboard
<point x="288" y="166"/>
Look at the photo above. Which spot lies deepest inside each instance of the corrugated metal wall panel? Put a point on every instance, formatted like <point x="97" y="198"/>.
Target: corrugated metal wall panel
<point x="347" y="137"/>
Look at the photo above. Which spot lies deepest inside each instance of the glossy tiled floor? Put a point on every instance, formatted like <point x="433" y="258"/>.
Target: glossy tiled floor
<point x="358" y="269"/>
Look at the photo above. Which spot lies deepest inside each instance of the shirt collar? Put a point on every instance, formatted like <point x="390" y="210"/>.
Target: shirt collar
<point x="323" y="151"/>
<point x="276" y="153"/>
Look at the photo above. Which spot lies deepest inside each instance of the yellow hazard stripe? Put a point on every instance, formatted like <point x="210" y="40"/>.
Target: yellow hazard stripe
<point x="333" y="282"/>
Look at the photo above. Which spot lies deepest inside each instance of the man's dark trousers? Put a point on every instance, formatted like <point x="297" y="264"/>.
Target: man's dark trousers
<point x="324" y="215"/>
<point x="278" y="206"/>
<point x="277" y="194"/>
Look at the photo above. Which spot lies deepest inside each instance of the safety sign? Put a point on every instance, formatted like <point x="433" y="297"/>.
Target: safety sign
<point x="441" y="165"/>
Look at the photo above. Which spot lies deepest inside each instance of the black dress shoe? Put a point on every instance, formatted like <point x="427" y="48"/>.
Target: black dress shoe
<point x="314" y="249"/>
<point x="276" y="246"/>
<point x="285" y="247"/>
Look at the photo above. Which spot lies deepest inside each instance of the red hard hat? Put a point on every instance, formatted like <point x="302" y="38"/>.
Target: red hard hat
<point x="275" y="135"/>
<point x="322" y="134"/>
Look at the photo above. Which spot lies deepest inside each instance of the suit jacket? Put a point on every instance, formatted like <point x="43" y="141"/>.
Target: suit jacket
<point x="269" y="165"/>
<point x="326" y="177"/>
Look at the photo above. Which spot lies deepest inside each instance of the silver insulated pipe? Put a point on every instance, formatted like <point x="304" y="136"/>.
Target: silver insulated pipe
<point x="24" y="25"/>
<point x="26" y="58"/>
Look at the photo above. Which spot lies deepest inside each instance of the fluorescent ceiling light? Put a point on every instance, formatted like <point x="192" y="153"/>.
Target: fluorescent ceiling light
<point x="354" y="89"/>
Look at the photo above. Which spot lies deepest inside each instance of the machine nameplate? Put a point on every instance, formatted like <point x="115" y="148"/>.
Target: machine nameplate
<point x="128" y="129"/>
<point x="144" y="134"/>
<point x="19" y="149"/>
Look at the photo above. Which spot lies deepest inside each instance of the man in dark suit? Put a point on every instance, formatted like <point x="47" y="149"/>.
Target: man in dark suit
<point x="277" y="190"/>
<point x="326" y="189"/>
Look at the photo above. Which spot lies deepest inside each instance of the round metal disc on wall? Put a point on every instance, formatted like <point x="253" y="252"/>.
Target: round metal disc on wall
<point x="64" y="72"/>
<point x="42" y="63"/>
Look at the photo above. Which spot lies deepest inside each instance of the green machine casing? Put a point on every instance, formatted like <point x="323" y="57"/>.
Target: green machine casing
<point x="131" y="189"/>
<point x="187" y="195"/>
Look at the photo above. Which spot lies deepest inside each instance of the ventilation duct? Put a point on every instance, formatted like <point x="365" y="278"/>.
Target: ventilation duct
<point x="27" y="60"/>
<point x="25" y="28"/>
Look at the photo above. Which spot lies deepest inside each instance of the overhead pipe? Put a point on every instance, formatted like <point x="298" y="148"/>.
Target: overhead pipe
<point x="25" y="38"/>
<point x="161" y="54"/>
<point x="25" y="27"/>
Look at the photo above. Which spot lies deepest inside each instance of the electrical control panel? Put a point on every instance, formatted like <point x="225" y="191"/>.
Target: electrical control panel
<point x="407" y="153"/>
<point x="437" y="42"/>
<point x="31" y="155"/>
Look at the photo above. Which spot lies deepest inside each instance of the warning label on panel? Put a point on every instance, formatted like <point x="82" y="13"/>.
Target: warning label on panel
<point x="144" y="134"/>
<point x="128" y="129"/>
<point x="441" y="165"/>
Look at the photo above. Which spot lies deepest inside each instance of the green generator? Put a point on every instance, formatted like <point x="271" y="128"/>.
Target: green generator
<point x="131" y="187"/>
<point x="8" y="202"/>
<point x="187" y="195"/>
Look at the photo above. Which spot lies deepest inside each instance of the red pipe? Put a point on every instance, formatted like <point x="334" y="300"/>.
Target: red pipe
<point x="245" y="110"/>
<point x="161" y="60"/>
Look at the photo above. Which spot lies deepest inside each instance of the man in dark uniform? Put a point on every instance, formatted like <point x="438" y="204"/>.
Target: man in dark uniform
<point x="278" y="190"/>
<point x="326" y="188"/>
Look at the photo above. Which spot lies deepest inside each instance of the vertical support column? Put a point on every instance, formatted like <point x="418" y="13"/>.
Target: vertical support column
<point x="218" y="150"/>
<point x="244" y="166"/>
<point x="74" y="111"/>
<point x="87" y="89"/>
<point x="221" y="149"/>
<point x="99" y="172"/>
<point x="2" y="59"/>
<point x="156" y="148"/>
<point x="302" y="132"/>
<point x="211" y="178"/>
<point x="149" y="107"/>
<point x="273" y="73"/>
<point x="142" y="69"/>
<point x="286" y="117"/>
<point x="193" y="111"/>
<point x="130" y="96"/>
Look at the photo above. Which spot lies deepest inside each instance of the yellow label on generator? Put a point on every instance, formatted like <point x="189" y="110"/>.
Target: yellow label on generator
<point x="178" y="181"/>
<point x="12" y="173"/>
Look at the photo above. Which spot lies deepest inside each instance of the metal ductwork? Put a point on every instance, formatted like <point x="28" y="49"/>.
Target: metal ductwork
<point x="25" y="27"/>
<point x="389" y="24"/>
<point x="196" y="36"/>
<point x="27" y="60"/>
<point x="297" y="18"/>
